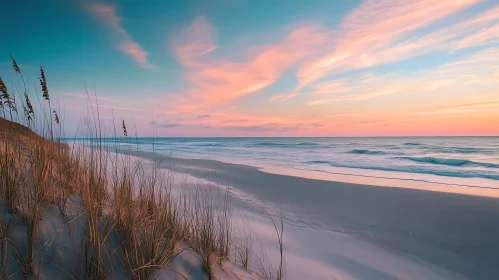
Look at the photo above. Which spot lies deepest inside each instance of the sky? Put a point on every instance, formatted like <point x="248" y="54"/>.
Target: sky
<point x="263" y="68"/>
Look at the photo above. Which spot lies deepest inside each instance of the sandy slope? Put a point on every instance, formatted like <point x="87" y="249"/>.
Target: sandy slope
<point x="58" y="251"/>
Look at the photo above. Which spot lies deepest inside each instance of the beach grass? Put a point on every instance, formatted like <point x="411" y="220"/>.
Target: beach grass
<point x="132" y="219"/>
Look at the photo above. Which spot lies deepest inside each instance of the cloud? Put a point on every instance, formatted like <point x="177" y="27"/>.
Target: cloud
<point x="203" y="116"/>
<point x="118" y="108"/>
<point x="164" y="125"/>
<point x="379" y="32"/>
<point x="478" y="69"/>
<point x="479" y="107"/>
<point x="282" y="97"/>
<point x="218" y="79"/>
<point x="316" y="124"/>
<point x="126" y="44"/>
<point x="235" y="121"/>
<point x="370" y="94"/>
<point x="478" y="30"/>
<point x="194" y="42"/>
<point x="89" y="97"/>
<point x="167" y="125"/>
<point x="341" y="115"/>
<point x="268" y="127"/>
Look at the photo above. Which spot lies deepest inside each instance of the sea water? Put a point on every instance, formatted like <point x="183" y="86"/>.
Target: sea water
<point x="467" y="161"/>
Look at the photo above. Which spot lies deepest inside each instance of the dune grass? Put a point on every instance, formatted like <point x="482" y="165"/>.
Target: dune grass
<point x="122" y="198"/>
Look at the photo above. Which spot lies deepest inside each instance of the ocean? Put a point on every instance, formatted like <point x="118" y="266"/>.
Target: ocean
<point x="466" y="161"/>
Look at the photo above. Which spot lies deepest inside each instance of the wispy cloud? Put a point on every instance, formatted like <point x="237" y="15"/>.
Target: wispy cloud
<point x="194" y="42"/>
<point x="235" y="121"/>
<point x="478" y="69"/>
<point x="168" y="125"/>
<point x="118" y="108"/>
<point x="361" y="96"/>
<point x="378" y="32"/>
<point x="480" y="107"/>
<point x="89" y="97"/>
<point x="282" y="97"/>
<point x="108" y="15"/>
<point x="216" y="79"/>
<point x="268" y="127"/>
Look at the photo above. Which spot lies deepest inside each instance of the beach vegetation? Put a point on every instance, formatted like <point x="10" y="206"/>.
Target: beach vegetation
<point x="121" y="216"/>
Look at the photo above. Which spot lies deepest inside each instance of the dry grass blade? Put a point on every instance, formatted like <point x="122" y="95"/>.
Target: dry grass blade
<point x="280" y="232"/>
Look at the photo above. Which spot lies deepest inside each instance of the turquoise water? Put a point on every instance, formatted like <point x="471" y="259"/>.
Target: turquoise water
<point x="472" y="161"/>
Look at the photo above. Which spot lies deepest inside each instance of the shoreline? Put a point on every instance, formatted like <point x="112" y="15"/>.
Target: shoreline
<point x="378" y="181"/>
<point x="454" y="231"/>
<point x="358" y="179"/>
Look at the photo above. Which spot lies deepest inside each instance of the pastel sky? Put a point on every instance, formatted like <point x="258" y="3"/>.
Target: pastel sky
<point x="265" y="68"/>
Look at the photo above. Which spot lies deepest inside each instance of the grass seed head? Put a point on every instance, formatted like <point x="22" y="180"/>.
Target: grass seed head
<point x="14" y="64"/>
<point x="43" y="83"/>
<point x="124" y="128"/>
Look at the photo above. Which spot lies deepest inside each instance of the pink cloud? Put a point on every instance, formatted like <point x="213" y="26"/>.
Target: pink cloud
<point x="368" y="94"/>
<point x="476" y="31"/>
<point x="489" y="35"/>
<point x="282" y="97"/>
<point x="478" y="69"/>
<point x="194" y="42"/>
<point x="372" y="32"/>
<point x="233" y="121"/>
<point x="217" y="79"/>
<point x="479" y="107"/>
<point x="109" y="16"/>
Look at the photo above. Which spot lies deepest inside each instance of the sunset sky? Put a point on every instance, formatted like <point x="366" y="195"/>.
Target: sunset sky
<point x="265" y="68"/>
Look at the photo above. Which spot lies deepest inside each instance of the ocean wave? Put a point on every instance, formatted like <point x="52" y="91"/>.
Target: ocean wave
<point x="270" y="144"/>
<point x="366" y="152"/>
<point x="319" y="162"/>
<point x="456" y="150"/>
<point x="212" y="145"/>
<point x="413" y="144"/>
<point x="275" y="144"/>
<point x="417" y="170"/>
<point x="307" y="144"/>
<point x="451" y="161"/>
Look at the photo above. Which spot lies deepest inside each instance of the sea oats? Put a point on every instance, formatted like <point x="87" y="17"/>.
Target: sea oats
<point x="28" y="116"/>
<point x="56" y="117"/>
<point x="14" y="64"/>
<point x="6" y="96"/>
<point x="124" y="128"/>
<point x="3" y="89"/>
<point x="43" y="83"/>
<point x="30" y="112"/>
